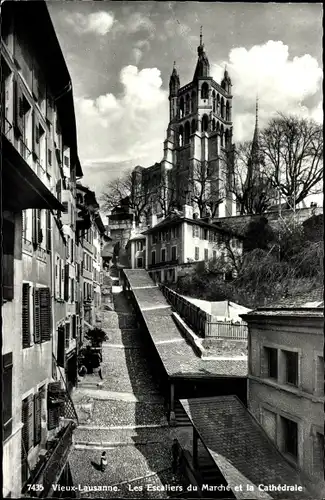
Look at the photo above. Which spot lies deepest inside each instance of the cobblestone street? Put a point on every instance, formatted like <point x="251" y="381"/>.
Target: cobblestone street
<point x="124" y="415"/>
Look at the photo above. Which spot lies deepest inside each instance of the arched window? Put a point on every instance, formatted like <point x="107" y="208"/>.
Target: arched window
<point x="193" y="101"/>
<point x="227" y="137"/>
<point x="181" y="107"/>
<point x="213" y="124"/>
<point x="222" y="107"/>
<point x="187" y="133"/>
<point x="218" y="104"/>
<point x="205" y="123"/>
<point x="214" y="101"/>
<point x="221" y="135"/>
<point x="180" y="135"/>
<point x="193" y="126"/>
<point x="205" y="91"/>
<point x="228" y="112"/>
<point x="187" y="104"/>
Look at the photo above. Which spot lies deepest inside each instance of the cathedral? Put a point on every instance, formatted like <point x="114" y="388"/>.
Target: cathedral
<point x="198" y="150"/>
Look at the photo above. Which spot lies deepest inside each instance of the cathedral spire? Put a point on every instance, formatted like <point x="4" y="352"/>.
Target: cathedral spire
<point x="256" y="131"/>
<point x="174" y="82"/>
<point x="202" y="66"/>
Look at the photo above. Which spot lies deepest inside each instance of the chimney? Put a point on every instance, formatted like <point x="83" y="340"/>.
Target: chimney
<point x="188" y="211"/>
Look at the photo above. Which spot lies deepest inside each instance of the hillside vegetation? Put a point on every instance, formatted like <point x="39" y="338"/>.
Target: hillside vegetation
<point x="286" y="264"/>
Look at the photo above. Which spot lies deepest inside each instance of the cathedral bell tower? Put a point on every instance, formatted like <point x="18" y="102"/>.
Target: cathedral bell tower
<point x="199" y="134"/>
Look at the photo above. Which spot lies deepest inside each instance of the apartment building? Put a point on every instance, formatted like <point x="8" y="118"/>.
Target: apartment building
<point x="181" y="240"/>
<point x="38" y="131"/>
<point x="286" y="384"/>
<point x="91" y="234"/>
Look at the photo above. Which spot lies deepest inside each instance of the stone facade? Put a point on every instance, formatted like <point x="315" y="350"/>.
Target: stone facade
<point x="290" y="387"/>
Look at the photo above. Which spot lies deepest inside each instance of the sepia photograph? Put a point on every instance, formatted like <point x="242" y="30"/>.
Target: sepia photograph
<point x="162" y="250"/>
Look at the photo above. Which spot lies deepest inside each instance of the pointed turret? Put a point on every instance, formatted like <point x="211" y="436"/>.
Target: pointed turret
<point x="256" y="158"/>
<point x="203" y="65"/>
<point x="226" y="81"/>
<point x="174" y="82"/>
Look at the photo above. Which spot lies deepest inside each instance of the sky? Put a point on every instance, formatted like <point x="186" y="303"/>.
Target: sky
<point x="120" y="56"/>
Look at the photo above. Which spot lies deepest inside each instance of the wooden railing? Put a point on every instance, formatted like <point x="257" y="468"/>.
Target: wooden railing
<point x="191" y="314"/>
<point x="202" y="323"/>
<point x="226" y="329"/>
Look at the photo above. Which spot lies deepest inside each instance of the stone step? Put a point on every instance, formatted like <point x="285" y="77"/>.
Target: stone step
<point x="120" y="437"/>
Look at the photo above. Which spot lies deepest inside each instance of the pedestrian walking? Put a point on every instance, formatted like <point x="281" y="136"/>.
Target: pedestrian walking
<point x="100" y="373"/>
<point x="175" y="455"/>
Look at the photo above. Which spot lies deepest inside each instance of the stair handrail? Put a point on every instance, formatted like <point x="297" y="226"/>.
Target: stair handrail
<point x="66" y="389"/>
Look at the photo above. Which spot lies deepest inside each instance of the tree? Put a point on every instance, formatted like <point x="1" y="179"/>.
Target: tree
<point x="248" y="181"/>
<point x="293" y="153"/>
<point x="204" y="189"/>
<point x="125" y="190"/>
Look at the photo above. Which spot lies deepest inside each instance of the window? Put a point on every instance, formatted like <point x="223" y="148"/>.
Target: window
<point x="271" y="362"/>
<point x="153" y="258"/>
<point x="8" y="231"/>
<point x="163" y="255"/>
<point x="197" y="253"/>
<point x="206" y="254"/>
<point x="290" y="437"/>
<point x="214" y="255"/>
<point x="320" y="376"/>
<point x="48" y="231"/>
<point x="174" y="253"/>
<point x="67" y="335"/>
<point x="27" y="421"/>
<point x="139" y="262"/>
<point x="37" y="236"/>
<point x="66" y="161"/>
<point x="291" y="359"/>
<point x="26" y="315"/>
<point x="205" y="91"/>
<point x="7" y="395"/>
<point x="318" y="456"/>
<point x="42" y="315"/>
<point x="268" y="421"/>
<point x="154" y="239"/>
<point x="38" y="416"/>
<point x="196" y="231"/>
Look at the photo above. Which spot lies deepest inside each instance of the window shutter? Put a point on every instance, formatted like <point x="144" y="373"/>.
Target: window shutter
<point x="18" y="108"/>
<point x="48" y="231"/>
<point x="67" y="335"/>
<point x="45" y="314"/>
<point x="72" y="290"/>
<point x="74" y="326"/>
<point x="61" y="347"/>
<point x="8" y="239"/>
<point x="39" y="226"/>
<point x="66" y="282"/>
<point x="53" y="413"/>
<point x="7" y="395"/>
<point x="26" y="315"/>
<point x="37" y="419"/>
<point x="35" y="135"/>
<point x="37" y="316"/>
<point x="66" y="206"/>
<point x="24" y="418"/>
<point x="34" y="229"/>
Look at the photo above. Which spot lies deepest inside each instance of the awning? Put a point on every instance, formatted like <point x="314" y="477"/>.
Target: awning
<point x="21" y="187"/>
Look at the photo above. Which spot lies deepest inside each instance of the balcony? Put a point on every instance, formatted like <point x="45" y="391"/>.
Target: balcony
<point x="166" y="263"/>
<point x="49" y="469"/>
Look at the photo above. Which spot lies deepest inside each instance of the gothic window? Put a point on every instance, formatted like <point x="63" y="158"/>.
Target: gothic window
<point x="218" y="104"/>
<point x="193" y="99"/>
<point x="187" y="104"/>
<point x="227" y="137"/>
<point x="205" y="91"/>
<point x="180" y="135"/>
<point x="221" y="135"/>
<point x="213" y="124"/>
<point x="214" y="101"/>
<point x="193" y="126"/>
<point x="222" y="107"/>
<point x="181" y="107"/>
<point x="228" y="112"/>
<point x="187" y="132"/>
<point x="205" y="123"/>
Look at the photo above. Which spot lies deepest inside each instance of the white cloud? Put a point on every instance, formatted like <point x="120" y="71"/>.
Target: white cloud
<point x="97" y="22"/>
<point x="131" y="127"/>
<point x="281" y="83"/>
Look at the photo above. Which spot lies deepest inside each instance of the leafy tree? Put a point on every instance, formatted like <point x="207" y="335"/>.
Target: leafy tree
<point x="293" y="154"/>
